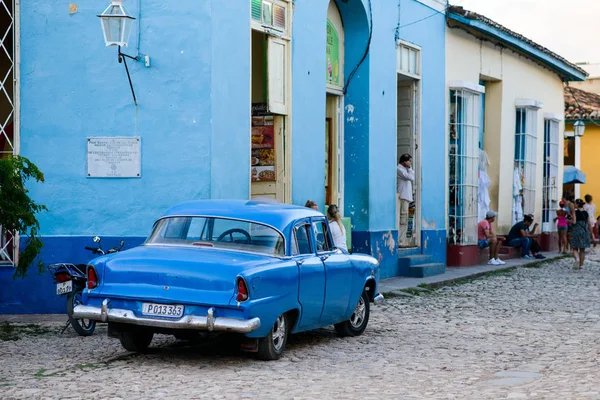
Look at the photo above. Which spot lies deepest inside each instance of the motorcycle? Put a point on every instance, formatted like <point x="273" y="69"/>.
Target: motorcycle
<point x="70" y="280"/>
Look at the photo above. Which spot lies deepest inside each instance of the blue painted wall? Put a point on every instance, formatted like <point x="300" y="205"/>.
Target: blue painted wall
<point x="194" y="119"/>
<point x="426" y="28"/>
<point x="430" y="35"/>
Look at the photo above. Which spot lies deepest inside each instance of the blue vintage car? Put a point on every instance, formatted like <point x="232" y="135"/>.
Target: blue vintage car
<point x="258" y="269"/>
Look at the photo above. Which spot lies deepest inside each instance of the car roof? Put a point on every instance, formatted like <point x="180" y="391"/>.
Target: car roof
<point x="273" y="213"/>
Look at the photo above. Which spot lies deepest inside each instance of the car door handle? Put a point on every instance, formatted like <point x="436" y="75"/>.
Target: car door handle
<point x="324" y="257"/>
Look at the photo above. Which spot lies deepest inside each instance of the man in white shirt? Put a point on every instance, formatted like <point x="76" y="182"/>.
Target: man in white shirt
<point x="405" y="176"/>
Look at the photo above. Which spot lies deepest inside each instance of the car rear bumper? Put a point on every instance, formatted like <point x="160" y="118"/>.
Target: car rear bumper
<point x="206" y="323"/>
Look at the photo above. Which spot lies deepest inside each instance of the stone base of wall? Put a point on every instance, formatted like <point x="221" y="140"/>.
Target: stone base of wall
<point x="549" y="241"/>
<point x="36" y="294"/>
<point x="462" y="256"/>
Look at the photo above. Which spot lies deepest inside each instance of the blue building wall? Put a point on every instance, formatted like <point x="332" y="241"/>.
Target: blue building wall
<point x="194" y="119"/>
<point x="426" y="28"/>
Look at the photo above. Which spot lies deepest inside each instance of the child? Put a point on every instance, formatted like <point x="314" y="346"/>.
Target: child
<point x="562" y="226"/>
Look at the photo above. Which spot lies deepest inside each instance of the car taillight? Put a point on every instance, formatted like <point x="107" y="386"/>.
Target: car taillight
<point x="242" y="290"/>
<point x="92" y="277"/>
<point x="62" y="277"/>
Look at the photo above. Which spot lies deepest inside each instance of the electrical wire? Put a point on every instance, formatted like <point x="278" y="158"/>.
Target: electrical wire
<point x="351" y="75"/>
<point x="397" y="31"/>
<point x="422" y="19"/>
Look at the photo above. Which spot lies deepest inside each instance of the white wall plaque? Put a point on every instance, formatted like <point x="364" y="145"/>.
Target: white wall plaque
<point x="114" y="157"/>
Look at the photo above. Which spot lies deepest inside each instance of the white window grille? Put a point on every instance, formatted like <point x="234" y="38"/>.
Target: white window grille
<point x="550" y="192"/>
<point x="463" y="166"/>
<point x="524" y="179"/>
<point x="9" y="241"/>
<point x="408" y="60"/>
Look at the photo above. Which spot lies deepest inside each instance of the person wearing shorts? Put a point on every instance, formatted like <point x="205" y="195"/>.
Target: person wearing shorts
<point x="562" y="225"/>
<point x="487" y="238"/>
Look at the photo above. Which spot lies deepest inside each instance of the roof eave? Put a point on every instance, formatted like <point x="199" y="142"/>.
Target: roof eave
<point x="566" y="72"/>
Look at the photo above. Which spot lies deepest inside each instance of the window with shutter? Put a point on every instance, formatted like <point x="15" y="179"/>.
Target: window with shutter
<point x="276" y="75"/>
<point x="270" y="16"/>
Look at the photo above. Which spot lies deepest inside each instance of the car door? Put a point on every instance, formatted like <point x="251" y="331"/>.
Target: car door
<point x="338" y="273"/>
<point x="311" y="291"/>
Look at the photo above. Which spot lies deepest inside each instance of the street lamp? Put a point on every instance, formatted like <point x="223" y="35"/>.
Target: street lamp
<point x="116" y="27"/>
<point x="579" y="128"/>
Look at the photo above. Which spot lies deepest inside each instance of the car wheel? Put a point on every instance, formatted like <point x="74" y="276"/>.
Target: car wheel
<point x="136" y="340"/>
<point x="359" y="319"/>
<point x="271" y="347"/>
<point x="83" y="327"/>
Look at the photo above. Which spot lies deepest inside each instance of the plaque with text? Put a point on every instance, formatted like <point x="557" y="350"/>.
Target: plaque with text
<point x="114" y="157"/>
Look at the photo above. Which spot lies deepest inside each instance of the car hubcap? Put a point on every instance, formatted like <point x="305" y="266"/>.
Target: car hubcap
<point x="279" y="333"/>
<point x="358" y="316"/>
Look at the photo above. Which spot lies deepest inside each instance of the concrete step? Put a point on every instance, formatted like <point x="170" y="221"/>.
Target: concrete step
<point x="508" y="252"/>
<point x="411" y="261"/>
<point x="424" y="270"/>
<point x="484" y="255"/>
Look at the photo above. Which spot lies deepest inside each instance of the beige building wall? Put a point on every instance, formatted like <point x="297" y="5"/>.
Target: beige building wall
<point x="591" y="85"/>
<point x="509" y="77"/>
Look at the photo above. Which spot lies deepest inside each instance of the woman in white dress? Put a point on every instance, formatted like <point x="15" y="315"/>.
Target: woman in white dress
<point x="337" y="228"/>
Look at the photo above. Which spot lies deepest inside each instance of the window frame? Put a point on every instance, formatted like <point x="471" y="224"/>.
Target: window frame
<point x="295" y="249"/>
<point x="464" y="183"/>
<point x="550" y="170"/>
<point x="271" y="30"/>
<point x="401" y="45"/>
<point x="7" y="237"/>
<point x="525" y="154"/>
<point x="326" y="234"/>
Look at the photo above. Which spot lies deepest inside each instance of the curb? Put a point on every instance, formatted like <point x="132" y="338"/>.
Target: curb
<point x="475" y="275"/>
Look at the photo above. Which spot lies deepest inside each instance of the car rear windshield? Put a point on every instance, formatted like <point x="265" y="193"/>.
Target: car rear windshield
<point x="216" y="232"/>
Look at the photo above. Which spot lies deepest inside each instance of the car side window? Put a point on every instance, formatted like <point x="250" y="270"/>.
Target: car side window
<point x="301" y="243"/>
<point x="322" y="236"/>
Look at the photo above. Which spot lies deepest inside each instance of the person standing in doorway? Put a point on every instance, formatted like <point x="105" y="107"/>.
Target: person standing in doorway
<point x="405" y="177"/>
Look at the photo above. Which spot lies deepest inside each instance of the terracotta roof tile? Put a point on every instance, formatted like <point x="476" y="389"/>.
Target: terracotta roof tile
<point x="474" y="16"/>
<point x="584" y="105"/>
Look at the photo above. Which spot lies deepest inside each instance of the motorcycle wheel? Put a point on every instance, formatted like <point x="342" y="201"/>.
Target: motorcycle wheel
<point x="83" y="327"/>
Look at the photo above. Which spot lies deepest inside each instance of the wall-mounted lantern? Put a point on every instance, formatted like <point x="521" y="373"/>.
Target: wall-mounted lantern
<point x="579" y="128"/>
<point x="116" y="27"/>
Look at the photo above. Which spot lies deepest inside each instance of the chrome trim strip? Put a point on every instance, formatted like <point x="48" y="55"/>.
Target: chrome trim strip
<point x="209" y="322"/>
<point x="210" y="319"/>
<point x="104" y="311"/>
<point x="378" y="299"/>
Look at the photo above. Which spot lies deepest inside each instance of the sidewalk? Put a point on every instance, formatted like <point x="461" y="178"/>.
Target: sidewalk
<point x="454" y="273"/>
<point x="386" y="285"/>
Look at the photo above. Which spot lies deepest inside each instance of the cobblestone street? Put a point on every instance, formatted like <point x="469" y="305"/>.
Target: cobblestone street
<point x="526" y="333"/>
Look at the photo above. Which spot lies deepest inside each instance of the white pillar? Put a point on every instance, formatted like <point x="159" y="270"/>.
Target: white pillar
<point x="577" y="164"/>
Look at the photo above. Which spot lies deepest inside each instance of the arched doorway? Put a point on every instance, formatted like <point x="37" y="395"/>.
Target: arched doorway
<point x="334" y="132"/>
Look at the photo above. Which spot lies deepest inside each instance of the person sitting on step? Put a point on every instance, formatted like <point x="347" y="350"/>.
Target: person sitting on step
<point x="521" y="236"/>
<point x="487" y="238"/>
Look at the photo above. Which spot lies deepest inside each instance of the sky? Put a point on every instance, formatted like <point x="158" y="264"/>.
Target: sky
<point x="569" y="28"/>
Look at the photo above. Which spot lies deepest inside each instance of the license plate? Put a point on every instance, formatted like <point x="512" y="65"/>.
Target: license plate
<point x="64" y="287"/>
<point x="162" y="310"/>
